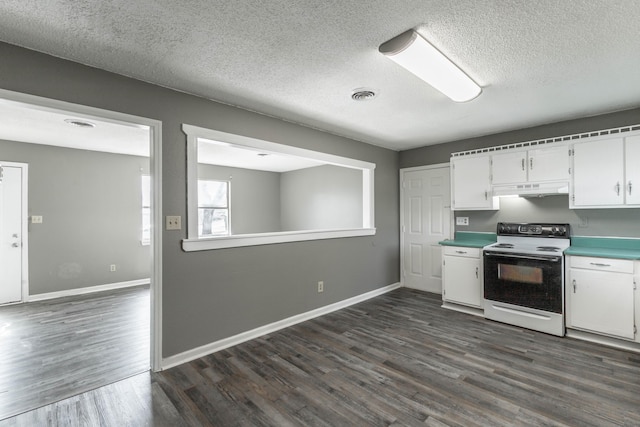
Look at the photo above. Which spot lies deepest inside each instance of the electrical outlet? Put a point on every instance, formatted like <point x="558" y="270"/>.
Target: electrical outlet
<point x="174" y="222"/>
<point x="320" y="286"/>
<point x="36" y="219"/>
<point x="462" y="220"/>
<point x="112" y="267"/>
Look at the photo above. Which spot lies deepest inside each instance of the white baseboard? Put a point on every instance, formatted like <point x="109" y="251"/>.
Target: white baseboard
<point x="213" y="347"/>
<point x="87" y="290"/>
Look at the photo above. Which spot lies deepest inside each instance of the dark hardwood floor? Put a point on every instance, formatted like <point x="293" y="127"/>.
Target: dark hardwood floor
<point x="398" y="359"/>
<point x="50" y="350"/>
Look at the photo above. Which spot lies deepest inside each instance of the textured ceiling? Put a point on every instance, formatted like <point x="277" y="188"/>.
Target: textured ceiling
<point x="537" y="61"/>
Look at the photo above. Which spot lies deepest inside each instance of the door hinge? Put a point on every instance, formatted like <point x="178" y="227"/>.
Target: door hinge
<point x="573" y="198"/>
<point x="635" y="329"/>
<point x="571" y="151"/>
<point x="569" y="171"/>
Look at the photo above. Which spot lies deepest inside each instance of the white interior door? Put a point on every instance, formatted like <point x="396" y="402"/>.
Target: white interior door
<point x="12" y="232"/>
<point x="426" y="220"/>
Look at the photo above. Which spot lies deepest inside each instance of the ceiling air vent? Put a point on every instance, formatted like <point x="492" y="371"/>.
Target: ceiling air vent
<point x="363" y="94"/>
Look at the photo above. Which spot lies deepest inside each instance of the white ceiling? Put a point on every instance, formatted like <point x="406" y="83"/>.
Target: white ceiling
<point x="39" y="125"/>
<point x="222" y="153"/>
<point x="537" y="61"/>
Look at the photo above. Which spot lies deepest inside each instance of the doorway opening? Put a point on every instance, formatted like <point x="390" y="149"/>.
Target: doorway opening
<point x="52" y="126"/>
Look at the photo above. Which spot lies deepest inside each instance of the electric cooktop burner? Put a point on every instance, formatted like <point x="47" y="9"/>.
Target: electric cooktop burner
<point x="548" y="248"/>
<point x="503" y="245"/>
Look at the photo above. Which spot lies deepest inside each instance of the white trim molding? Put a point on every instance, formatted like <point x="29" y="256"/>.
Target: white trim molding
<point x="195" y="243"/>
<point x="189" y="245"/>
<point x="88" y="290"/>
<point x="216" y="346"/>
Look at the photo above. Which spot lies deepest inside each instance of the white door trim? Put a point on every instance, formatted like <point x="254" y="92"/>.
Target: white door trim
<point x="155" y="127"/>
<point x="401" y="178"/>
<point x="24" y="225"/>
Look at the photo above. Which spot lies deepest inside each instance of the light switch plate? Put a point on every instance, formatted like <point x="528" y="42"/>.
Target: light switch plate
<point x="174" y="222"/>
<point x="36" y="219"/>
<point x="462" y="220"/>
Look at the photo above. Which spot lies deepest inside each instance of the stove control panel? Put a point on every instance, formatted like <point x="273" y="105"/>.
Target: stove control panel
<point x="533" y="230"/>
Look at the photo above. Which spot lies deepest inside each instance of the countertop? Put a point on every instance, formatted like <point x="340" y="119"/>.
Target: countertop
<point x="604" y="247"/>
<point x="470" y="239"/>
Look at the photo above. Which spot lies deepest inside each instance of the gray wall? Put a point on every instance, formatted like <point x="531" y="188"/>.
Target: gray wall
<point x="322" y="197"/>
<point x="584" y="222"/>
<point x="255" y="197"/>
<point x="210" y="295"/>
<point x="91" y="207"/>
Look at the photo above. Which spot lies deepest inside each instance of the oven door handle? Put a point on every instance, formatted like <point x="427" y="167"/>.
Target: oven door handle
<point x="532" y="257"/>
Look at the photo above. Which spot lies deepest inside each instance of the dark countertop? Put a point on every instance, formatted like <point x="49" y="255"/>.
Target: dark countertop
<point x="605" y="247"/>
<point x="470" y="239"/>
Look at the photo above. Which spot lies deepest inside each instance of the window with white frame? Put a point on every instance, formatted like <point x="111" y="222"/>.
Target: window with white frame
<point x="145" y="181"/>
<point x="213" y="208"/>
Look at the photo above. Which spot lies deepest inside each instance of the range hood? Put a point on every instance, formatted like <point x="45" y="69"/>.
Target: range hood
<point x="532" y="189"/>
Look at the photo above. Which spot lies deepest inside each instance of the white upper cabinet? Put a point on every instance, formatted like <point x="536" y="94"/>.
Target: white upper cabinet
<point x="632" y="170"/>
<point x="604" y="172"/>
<point x="549" y="163"/>
<point x="541" y="164"/>
<point x="509" y="167"/>
<point x="471" y="183"/>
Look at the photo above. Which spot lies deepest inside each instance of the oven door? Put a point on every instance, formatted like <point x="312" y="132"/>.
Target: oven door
<point x="526" y="280"/>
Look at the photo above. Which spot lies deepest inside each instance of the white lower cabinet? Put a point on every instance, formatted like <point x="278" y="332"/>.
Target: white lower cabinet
<point x="600" y="296"/>
<point x="462" y="276"/>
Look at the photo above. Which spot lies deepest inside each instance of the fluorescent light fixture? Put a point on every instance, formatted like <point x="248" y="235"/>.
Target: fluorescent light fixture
<point x="418" y="56"/>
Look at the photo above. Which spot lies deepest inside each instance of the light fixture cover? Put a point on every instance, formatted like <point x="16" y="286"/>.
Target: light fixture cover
<point x="418" y="56"/>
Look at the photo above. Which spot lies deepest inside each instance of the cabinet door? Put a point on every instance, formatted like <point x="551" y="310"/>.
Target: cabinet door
<point x="462" y="281"/>
<point x="602" y="301"/>
<point x="632" y="169"/>
<point x="598" y="174"/>
<point x="471" y="183"/>
<point x="549" y="164"/>
<point x="509" y="167"/>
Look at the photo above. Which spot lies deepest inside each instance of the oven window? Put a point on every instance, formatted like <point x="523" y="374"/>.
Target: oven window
<point x="520" y="274"/>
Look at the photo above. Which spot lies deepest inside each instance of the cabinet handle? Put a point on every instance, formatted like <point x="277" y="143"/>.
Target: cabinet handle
<point x="629" y="187"/>
<point x="476" y="272"/>
<point x="574" y="286"/>
<point x="531" y="163"/>
<point x="461" y="252"/>
<point x="618" y="188"/>
<point x="485" y="194"/>
<point x="599" y="264"/>
<point x="522" y="164"/>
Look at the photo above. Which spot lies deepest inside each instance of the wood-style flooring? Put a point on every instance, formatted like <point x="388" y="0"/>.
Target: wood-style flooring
<point x="50" y="350"/>
<point x="396" y="360"/>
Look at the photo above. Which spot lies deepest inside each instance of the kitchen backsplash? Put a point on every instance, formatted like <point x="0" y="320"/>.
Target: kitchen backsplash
<point x="555" y="209"/>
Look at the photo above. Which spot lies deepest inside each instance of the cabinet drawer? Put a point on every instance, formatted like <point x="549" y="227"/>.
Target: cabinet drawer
<point x="602" y="264"/>
<point x="462" y="251"/>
